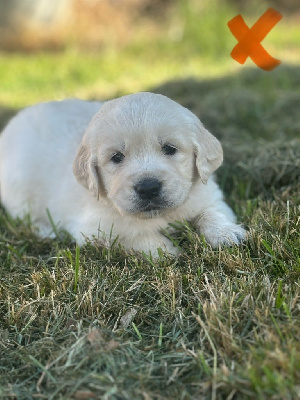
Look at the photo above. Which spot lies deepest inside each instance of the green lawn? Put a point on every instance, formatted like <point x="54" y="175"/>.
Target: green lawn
<point x="93" y="323"/>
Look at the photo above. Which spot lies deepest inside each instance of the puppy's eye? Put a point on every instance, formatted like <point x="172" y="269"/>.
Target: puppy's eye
<point x="117" y="158"/>
<point x="169" y="150"/>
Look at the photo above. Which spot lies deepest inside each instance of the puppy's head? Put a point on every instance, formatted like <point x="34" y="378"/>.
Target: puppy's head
<point x="144" y="152"/>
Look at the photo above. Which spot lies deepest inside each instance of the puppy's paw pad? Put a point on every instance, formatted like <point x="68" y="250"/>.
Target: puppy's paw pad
<point x="225" y="235"/>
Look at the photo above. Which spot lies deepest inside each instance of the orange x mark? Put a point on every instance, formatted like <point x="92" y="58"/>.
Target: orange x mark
<point x="249" y="39"/>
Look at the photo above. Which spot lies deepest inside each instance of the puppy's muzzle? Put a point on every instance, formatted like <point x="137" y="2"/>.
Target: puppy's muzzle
<point x="148" y="189"/>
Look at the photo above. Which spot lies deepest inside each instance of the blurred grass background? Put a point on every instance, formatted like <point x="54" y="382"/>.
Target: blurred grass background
<point x="102" y="49"/>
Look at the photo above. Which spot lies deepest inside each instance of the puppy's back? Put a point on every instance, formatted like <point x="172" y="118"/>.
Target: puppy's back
<point x="37" y="149"/>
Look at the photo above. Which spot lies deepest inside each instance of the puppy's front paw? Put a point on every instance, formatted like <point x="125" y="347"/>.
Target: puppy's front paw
<point x="224" y="235"/>
<point x="166" y="247"/>
<point x="156" y="246"/>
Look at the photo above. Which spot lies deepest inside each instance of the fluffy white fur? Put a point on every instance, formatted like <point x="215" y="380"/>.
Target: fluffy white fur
<point x="61" y="157"/>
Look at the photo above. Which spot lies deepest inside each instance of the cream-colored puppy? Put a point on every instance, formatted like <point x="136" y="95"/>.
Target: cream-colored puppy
<point x="125" y="168"/>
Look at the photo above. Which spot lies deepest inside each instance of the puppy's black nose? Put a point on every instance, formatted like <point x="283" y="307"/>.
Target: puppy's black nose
<point x="148" y="189"/>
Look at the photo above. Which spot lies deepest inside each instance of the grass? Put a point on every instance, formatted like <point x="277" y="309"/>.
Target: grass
<point x="194" y="41"/>
<point x="97" y="323"/>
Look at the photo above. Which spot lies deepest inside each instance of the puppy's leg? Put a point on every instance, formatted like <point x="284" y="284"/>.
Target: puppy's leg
<point x="217" y="222"/>
<point x="218" y="227"/>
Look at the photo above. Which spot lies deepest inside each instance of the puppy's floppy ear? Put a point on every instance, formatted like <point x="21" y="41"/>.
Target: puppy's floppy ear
<point x="209" y="153"/>
<point x="87" y="172"/>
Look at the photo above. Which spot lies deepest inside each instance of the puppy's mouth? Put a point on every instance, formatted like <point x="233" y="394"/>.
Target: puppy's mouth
<point x="152" y="209"/>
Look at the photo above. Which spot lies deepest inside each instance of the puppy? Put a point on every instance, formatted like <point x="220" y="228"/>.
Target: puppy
<point x="125" y="168"/>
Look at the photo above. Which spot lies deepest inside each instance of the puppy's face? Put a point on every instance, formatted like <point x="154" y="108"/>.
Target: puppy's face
<point x="148" y="170"/>
<point x="144" y="152"/>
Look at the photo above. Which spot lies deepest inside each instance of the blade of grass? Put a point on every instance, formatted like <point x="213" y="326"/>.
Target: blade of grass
<point x="137" y="331"/>
<point x="76" y="272"/>
<point x="160" y="334"/>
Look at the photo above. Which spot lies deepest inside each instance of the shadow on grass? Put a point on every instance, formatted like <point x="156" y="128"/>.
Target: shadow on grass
<point x="5" y="115"/>
<point x="249" y="105"/>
